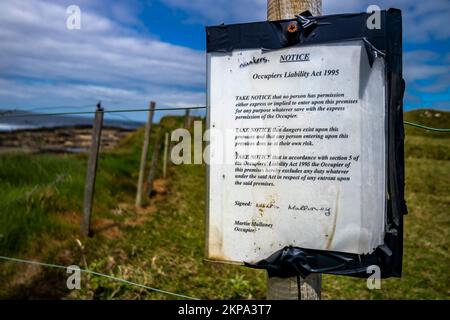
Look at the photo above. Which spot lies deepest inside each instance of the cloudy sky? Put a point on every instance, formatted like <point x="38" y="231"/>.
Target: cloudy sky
<point x="129" y="52"/>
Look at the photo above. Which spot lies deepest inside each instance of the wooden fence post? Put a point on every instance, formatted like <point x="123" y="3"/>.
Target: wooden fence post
<point x="92" y="172"/>
<point x="187" y="119"/>
<point x="166" y="149"/>
<point x="287" y="9"/>
<point x="294" y="288"/>
<point x="308" y="288"/>
<point x="154" y="164"/>
<point x="144" y="155"/>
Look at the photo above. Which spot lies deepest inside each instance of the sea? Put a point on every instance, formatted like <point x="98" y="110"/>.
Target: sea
<point x="24" y="120"/>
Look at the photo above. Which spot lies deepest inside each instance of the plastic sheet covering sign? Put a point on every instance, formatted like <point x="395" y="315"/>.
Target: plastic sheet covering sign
<point x="297" y="152"/>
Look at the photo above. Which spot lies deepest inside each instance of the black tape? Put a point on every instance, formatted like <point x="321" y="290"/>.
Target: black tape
<point x="386" y="41"/>
<point x="293" y="261"/>
<point x="271" y="35"/>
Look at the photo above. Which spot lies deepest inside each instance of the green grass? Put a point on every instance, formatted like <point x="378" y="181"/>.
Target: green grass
<point x="163" y="246"/>
<point x="32" y="187"/>
<point x="168" y="252"/>
<point x="430" y="118"/>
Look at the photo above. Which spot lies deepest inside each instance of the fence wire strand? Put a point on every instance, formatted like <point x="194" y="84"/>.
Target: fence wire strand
<point x="420" y="126"/>
<point x="8" y="114"/>
<point x="56" y="266"/>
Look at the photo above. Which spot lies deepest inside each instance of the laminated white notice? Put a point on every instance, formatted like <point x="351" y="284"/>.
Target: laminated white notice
<point x="297" y="151"/>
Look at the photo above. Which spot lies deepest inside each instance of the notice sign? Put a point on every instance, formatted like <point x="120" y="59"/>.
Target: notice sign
<point x="297" y="153"/>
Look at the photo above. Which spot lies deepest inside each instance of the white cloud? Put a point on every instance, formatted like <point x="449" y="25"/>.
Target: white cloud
<point x="218" y="11"/>
<point x="83" y="97"/>
<point x="426" y="66"/>
<point x="49" y="64"/>
<point x="43" y="63"/>
<point x="422" y="20"/>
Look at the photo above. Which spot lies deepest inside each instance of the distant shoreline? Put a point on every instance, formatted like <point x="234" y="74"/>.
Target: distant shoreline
<point x="59" y="139"/>
<point x="22" y="128"/>
<point x="19" y="120"/>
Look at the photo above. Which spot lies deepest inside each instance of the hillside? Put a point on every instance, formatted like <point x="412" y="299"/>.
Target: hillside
<point x="162" y="244"/>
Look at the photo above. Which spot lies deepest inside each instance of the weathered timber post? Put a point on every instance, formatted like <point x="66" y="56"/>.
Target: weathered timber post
<point x="155" y="156"/>
<point x="92" y="172"/>
<point x="166" y="149"/>
<point x="287" y="9"/>
<point x="148" y="128"/>
<point x="308" y="288"/>
<point x="187" y="119"/>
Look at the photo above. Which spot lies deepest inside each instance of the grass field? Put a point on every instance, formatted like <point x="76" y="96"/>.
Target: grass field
<point x="162" y="244"/>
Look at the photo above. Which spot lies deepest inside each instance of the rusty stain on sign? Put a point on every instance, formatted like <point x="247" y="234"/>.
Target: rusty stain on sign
<point x="333" y="227"/>
<point x="255" y="215"/>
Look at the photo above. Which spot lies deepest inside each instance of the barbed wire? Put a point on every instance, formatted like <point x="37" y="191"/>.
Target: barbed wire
<point x="122" y="116"/>
<point x="93" y="112"/>
<point x="56" y="266"/>
<point x="59" y="107"/>
<point x="420" y="126"/>
<point x="28" y="111"/>
<point x="8" y="115"/>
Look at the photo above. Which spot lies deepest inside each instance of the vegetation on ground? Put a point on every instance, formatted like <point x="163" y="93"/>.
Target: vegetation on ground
<point x="162" y="244"/>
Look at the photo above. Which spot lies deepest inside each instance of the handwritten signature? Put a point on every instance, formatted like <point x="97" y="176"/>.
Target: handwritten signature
<point x="325" y="210"/>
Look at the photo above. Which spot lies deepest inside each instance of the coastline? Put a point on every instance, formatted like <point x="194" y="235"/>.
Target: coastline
<point x="64" y="139"/>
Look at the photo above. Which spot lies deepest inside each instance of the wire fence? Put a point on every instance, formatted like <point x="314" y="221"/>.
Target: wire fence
<point x="119" y="112"/>
<point x="420" y="126"/>
<point x="27" y="115"/>
<point x="15" y="113"/>
<point x="9" y="114"/>
<point x="56" y="266"/>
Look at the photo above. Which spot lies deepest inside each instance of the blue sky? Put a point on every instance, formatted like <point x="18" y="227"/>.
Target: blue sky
<point x="129" y="52"/>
